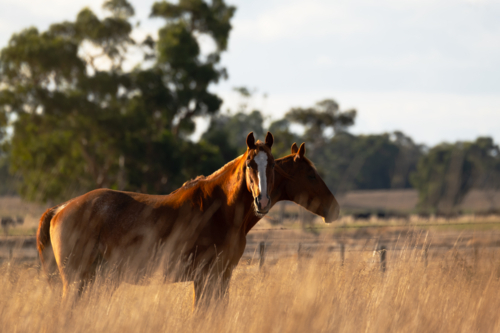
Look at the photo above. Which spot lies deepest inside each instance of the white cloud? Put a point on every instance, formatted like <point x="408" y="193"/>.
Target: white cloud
<point x="52" y="8"/>
<point x="296" y="19"/>
<point x="324" y="61"/>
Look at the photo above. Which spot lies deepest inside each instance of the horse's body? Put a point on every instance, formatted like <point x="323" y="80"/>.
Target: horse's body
<point x="194" y="246"/>
<point x="195" y="233"/>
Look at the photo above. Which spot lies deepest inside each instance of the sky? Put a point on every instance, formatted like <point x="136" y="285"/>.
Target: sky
<point x="429" y="68"/>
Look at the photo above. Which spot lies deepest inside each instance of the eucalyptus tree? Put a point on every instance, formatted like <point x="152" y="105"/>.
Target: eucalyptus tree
<point x="80" y="118"/>
<point x="447" y="172"/>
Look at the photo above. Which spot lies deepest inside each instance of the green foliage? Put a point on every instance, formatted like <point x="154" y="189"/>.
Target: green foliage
<point x="283" y="137"/>
<point x="346" y="162"/>
<point x="80" y="121"/>
<point x="179" y="55"/>
<point x="229" y="132"/>
<point x="325" y="115"/>
<point x="448" y="171"/>
<point x="120" y="8"/>
<point x="8" y="182"/>
<point x="349" y="162"/>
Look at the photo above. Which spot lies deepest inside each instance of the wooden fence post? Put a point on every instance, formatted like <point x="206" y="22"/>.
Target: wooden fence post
<point x="425" y="256"/>
<point x="282" y="211"/>
<point x="262" y="251"/>
<point x="299" y="257"/>
<point x="383" y="258"/>
<point x="475" y="257"/>
<point x="342" y="254"/>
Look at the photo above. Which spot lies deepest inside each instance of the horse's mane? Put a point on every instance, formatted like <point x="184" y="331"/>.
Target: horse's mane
<point x="193" y="182"/>
<point x="282" y="172"/>
<point x="204" y="185"/>
<point x="311" y="164"/>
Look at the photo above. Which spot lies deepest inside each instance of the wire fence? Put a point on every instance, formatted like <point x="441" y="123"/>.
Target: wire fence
<point x="275" y="244"/>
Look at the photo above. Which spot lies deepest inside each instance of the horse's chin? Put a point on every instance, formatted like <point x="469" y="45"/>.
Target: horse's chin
<point x="260" y="213"/>
<point x="331" y="215"/>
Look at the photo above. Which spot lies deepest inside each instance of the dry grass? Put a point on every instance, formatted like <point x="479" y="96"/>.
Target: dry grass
<point x="452" y="294"/>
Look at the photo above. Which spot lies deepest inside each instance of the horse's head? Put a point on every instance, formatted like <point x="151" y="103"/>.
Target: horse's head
<point x="306" y="187"/>
<point x="260" y="172"/>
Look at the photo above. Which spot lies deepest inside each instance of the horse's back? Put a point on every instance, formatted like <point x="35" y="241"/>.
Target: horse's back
<point x="108" y="205"/>
<point x="103" y="218"/>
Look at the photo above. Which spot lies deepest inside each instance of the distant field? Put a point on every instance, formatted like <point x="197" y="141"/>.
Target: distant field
<point x="15" y="207"/>
<point x="406" y="200"/>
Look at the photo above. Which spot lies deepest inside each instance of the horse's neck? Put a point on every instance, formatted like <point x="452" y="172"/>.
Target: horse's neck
<point x="231" y="180"/>
<point x="281" y="177"/>
<point x="239" y="199"/>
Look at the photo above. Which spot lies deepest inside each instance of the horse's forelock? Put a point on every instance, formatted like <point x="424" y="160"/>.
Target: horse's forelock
<point x="261" y="146"/>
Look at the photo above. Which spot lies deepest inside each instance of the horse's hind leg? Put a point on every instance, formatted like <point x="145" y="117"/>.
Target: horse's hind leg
<point x="79" y="277"/>
<point x="76" y="261"/>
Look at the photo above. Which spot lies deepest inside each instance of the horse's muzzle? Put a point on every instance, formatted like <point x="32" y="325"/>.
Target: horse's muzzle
<point x="263" y="204"/>
<point x="332" y="214"/>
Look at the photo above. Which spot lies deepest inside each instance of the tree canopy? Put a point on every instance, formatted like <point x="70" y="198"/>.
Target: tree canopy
<point x="448" y="171"/>
<point x="81" y="121"/>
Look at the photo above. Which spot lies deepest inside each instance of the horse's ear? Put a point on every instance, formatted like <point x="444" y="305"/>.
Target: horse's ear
<point x="251" y="141"/>
<point x="301" y="152"/>
<point x="269" y="139"/>
<point x="294" y="148"/>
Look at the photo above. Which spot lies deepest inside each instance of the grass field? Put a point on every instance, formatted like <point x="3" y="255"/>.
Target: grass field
<point x="453" y="293"/>
<point x="456" y="289"/>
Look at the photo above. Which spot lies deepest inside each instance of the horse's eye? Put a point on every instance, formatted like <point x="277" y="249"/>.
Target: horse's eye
<point x="312" y="176"/>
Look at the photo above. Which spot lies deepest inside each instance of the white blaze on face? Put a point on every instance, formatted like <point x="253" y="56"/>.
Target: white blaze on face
<point x="261" y="160"/>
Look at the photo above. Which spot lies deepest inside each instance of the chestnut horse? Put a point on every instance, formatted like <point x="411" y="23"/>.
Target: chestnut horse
<point x="195" y="233"/>
<point x="296" y="179"/>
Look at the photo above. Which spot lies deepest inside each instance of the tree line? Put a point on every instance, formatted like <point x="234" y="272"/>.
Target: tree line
<point x="75" y="116"/>
<point x="442" y="174"/>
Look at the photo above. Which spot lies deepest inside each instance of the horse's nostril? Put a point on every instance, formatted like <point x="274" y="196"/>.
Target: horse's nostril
<point x="264" y="201"/>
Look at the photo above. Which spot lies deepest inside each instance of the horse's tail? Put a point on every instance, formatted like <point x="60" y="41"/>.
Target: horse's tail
<point x="43" y="232"/>
<point x="43" y="242"/>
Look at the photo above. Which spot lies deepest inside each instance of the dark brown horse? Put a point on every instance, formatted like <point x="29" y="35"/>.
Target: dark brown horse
<point x="195" y="233"/>
<point x="296" y="179"/>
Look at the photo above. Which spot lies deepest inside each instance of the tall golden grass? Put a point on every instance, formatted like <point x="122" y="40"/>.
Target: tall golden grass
<point x="453" y="293"/>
